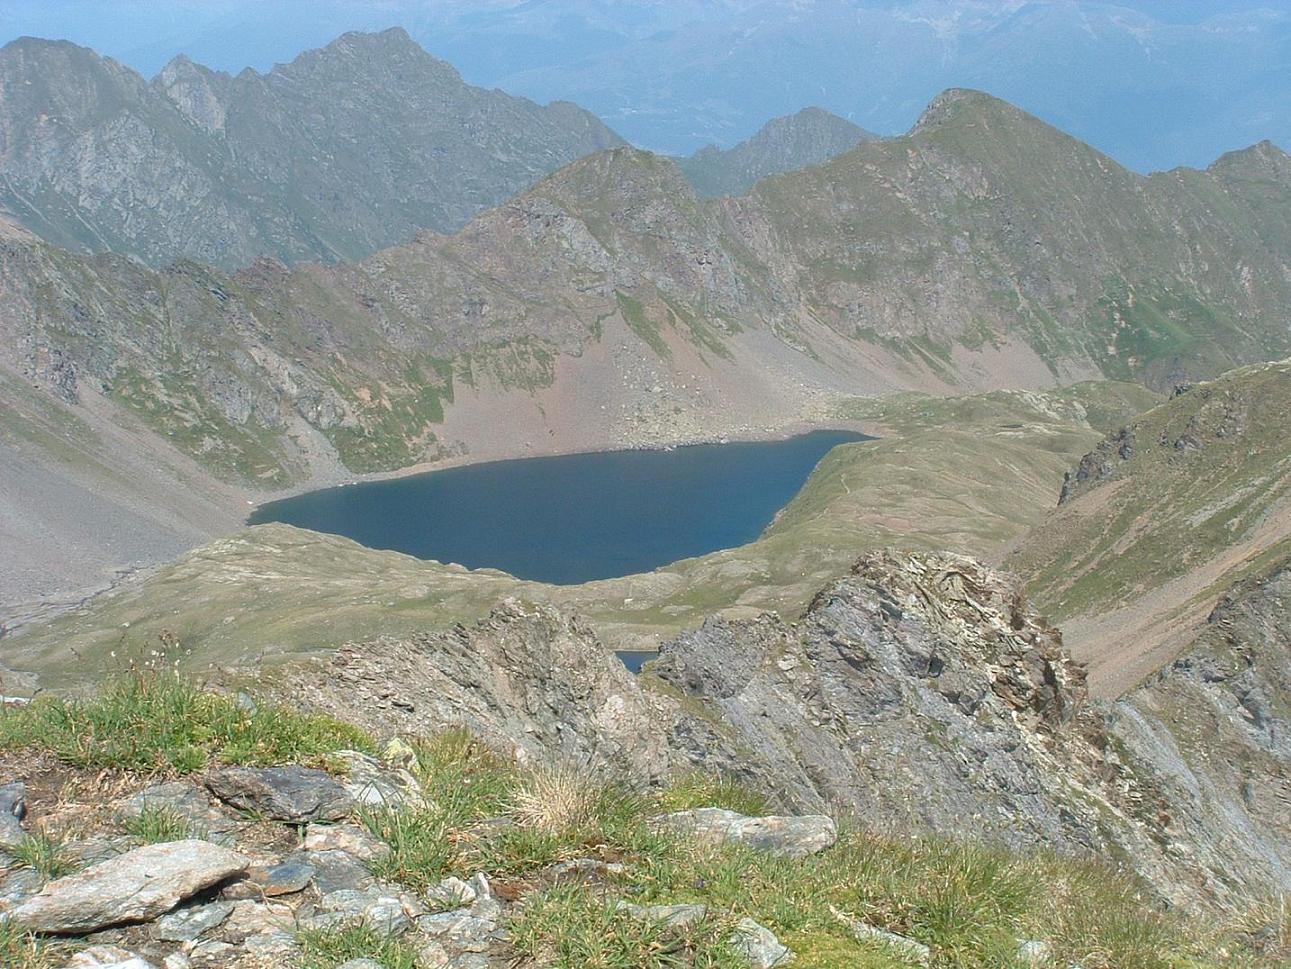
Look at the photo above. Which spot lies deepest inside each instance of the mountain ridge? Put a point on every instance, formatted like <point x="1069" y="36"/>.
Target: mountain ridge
<point x="298" y="162"/>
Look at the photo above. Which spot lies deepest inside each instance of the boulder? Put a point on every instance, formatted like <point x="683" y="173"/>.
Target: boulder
<point x="758" y="945"/>
<point x="793" y="837"/>
<point x="137" y="886"/>
<point x="292" y="794"/>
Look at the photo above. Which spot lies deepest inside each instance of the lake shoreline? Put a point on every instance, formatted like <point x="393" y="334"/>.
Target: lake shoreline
<point x="782" y="432"/>
<point x="568" y="519"/>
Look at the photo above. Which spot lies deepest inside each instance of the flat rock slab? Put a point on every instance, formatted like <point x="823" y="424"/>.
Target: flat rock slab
<point x="137" y="886"/>
<point x="793" y="837"/>
<point x="293" y="794"/>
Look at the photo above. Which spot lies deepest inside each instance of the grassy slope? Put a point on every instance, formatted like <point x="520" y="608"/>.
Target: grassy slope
<point x="970" y="904"/>
<point x="1134" y="563"/>
<point x="969" y="474"/>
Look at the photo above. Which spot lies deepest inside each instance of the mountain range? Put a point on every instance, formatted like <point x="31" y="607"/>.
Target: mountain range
<point x="610" y="305"/>
<point x="343" y="151"/>
<point x="1153" y="83"/>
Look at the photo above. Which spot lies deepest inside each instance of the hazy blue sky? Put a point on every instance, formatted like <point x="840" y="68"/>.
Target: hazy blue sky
<point x="1153" y="82"/>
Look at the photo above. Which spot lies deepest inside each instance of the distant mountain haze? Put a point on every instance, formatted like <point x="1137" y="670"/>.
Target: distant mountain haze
<point x="809" y="137"/>
<point x="1153" y="83"/>
<point x="344" y="151"/>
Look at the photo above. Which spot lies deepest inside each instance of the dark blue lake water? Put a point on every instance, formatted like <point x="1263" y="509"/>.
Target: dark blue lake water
<point x="575" y="517"/>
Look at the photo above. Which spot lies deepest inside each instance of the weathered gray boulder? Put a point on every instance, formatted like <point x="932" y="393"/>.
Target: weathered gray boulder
<point x="135" y="887"/>
<point x="186" y="924"/>
<point x="793" y="837"/>
<point x="293" y="794"/>
<point x="759" y="946"/>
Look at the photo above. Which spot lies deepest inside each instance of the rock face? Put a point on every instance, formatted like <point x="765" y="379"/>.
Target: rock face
<point x="294" y="794"/>
<point x="134" y="887"/>
<point x="919" y="693"/>
<point x="1212" y="735"/>
<point x="342" y="152"/>
<point x="526" y="678"/>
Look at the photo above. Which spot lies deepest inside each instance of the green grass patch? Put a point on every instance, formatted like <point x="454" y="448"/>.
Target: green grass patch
<point x="45" y="851"/>
<point x="158" y="823"/>
<point x="326" y="949"/>
<point x="163" y="723"/>
<point x="575" y="927"/>
<point x="24" y="950"/>
<point x="696" y="789"/>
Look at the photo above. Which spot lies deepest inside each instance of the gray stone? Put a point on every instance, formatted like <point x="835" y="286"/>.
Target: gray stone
<point x="258" y="920"/>
<point x="370" y="782"/>
<point x="186" y="924"/>
<point x="360" y="964"/>
<point x="451" y="893"/>
<point x="584" y="868"/>
<point x="284" y="879"/>
<point x="108" y="957"/>
<point x="666" y="916"/>
<point x="135" y="887"/>
<point x="13" y="799"/>
<point x="292" y="794"/>
<point x="461" y="930"/>
<point x="19" y="885"/>
<point x="758" y="945"/>
<point x="335" y="870"/>
<point x="384" y="913"/>
<point x="176" y="960"/>
<point x="350" y="838"/>
<point x="793" y="837"/>
<point x="908" y="948"/>
<point x="13" y="808"/>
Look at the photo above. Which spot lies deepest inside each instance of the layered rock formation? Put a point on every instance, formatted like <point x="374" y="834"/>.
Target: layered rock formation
<point x="920" y="693"/>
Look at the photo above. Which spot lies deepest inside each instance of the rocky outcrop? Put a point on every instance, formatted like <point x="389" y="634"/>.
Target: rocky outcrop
<point x="921" y="692"/>
<point x="293" y="794"/>
<point x="134" y="887"/>
<point x="1212" y="734"/>
<point x="790" y="837"/>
